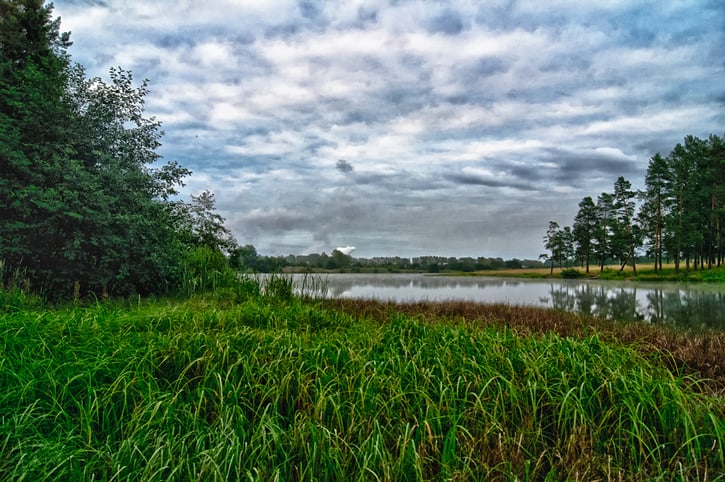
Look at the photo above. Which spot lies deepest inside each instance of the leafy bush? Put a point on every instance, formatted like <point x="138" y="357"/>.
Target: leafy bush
<point x="570" y="273"/>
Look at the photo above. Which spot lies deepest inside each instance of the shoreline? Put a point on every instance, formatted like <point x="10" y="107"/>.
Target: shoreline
<point x="610" y="273"/>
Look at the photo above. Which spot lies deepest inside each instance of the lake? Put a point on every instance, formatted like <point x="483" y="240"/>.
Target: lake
<point x="694" y="305"/>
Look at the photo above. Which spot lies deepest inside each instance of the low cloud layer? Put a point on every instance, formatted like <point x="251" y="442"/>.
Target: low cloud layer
<point x="411" y="127"/>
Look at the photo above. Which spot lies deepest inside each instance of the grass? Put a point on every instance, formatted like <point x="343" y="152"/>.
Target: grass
<point x="697" y="353"/>
<point x="270" y="387"/>
<point x="645" y="272"/>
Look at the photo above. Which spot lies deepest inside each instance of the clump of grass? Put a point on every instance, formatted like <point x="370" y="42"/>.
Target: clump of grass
<point x="268" y="388"/>
<point x="313" y="287"/>
<point x="279" y="286"/>
<point x="206" y="270"/>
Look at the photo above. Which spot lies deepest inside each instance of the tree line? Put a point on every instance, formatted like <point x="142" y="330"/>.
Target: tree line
<point x="679" y="216"/>
<point x="245" y="258"/>
<point x="87" y="205"/>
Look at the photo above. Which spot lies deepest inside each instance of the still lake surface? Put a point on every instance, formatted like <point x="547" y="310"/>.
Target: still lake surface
<point x="694" y="305"/>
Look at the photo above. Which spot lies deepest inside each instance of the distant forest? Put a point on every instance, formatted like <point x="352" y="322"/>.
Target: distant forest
<point x="680" y="218"/>
<point x="246" y="259"/>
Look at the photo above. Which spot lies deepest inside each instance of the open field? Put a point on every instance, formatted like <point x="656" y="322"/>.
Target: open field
<point x="234" y="387"/>
<point x="543" y="272"/>
<point x="645" y="272"/>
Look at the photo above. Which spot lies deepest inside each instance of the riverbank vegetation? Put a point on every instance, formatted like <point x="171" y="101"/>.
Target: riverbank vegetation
<point x="252" y="383"/>
<point x="681" y="216"/>
<point x="667" y="272"/>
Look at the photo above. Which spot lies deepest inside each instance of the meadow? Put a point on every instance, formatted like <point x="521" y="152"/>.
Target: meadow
<point x="255" y="384"/>
<point x="645" y="272"/>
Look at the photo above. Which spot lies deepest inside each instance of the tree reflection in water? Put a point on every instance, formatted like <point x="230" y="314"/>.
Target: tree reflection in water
<point x="675" y="307"/>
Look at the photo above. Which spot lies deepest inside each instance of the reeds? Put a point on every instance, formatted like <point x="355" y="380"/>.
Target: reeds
<point x="273" y="388"/>
<point x="696" y="353"/>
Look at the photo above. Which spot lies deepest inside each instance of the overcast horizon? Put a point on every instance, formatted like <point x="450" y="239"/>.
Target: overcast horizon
<point x="410" y="128"/>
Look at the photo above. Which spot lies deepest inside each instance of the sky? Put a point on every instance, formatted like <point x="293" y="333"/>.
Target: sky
<point x="410" y="128"/>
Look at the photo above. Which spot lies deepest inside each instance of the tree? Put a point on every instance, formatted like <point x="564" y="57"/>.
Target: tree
<point x="625" y="236"/>
<point x="682" y="215"/>
<point x="566" y="245"/>
<point x="716" y="173"/>
<point x="244" y="258"/>
<point x="80" y="203"/>
<point x="656" y="199"/>
<point x="32" y="109"/>
<point x="712" y="166"/>
<point x="605" y="220"/>
<point x="682" y="222"/>
<point x="340" y="259"/>
<point x="129" y="239"/>
<point x="584" y="230"/>
<point x="552" y="242"/>
<point x="205" y="226"/>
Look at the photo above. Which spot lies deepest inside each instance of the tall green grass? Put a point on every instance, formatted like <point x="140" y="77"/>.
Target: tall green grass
<point x="274" y="388"/>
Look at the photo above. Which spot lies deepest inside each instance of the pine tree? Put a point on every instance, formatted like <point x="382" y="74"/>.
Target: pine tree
<point x="656" y="199"/>
<point x="584" y="230"/>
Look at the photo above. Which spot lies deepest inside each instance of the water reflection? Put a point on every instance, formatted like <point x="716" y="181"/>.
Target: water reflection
<point x="665" y="305"/>
<point x="692" y="305"/>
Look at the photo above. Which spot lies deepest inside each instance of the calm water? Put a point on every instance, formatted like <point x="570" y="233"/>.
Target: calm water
<point x="693" y="305"/>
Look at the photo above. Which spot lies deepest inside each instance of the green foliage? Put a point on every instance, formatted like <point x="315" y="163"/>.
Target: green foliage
<point x="715" y="275"/>
<point x="279" y="287"/>
<point x="15" y="291"/>
<point x="681" y="215"/>
<point x="584" y="230"/>
<point x="203" y="226"/>
<point x="560" y="243"/>
<point x="80" y="203"/>
<point x="571" y="273"/>
<point x="654" y="207"/>
<point x="206" y="269"/>
<point x="197" y="390"/>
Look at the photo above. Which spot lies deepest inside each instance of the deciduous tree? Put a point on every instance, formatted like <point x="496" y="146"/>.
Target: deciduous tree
<point x="81" y="203"/>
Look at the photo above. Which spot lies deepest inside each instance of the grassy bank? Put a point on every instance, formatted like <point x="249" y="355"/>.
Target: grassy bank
<point x="645" y="272"/>
<point x="255" y="388"/>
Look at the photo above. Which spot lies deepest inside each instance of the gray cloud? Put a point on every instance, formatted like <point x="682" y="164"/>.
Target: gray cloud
<point x="448" y="22"/>
<point x="343" y="166"/>
<point x="469" y="124"/>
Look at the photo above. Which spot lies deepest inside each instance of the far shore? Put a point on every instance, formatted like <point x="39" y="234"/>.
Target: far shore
<point x="645" y="272"/>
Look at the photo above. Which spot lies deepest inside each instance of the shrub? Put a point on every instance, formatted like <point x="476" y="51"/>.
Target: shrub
<point x="570" y="273"/>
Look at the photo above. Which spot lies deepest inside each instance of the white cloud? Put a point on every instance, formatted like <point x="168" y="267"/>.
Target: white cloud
<point x="346" y="249"/>
<point x="450" y="127"/>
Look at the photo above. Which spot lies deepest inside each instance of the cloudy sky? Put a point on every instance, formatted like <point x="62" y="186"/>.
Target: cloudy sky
<point x="454" y="128"/>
